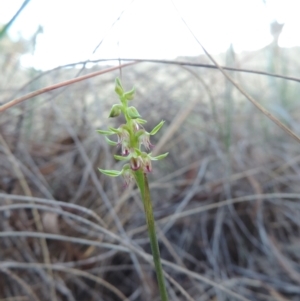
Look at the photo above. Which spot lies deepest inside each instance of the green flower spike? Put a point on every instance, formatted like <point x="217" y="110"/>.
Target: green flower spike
<point x="131" y="137"/>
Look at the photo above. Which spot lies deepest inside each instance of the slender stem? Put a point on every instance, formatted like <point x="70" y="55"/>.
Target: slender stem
<point x="142" y="182"/>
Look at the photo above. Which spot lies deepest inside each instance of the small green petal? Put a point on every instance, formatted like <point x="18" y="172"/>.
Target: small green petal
<point x="157" y="128"/>
<point x="111" y="173"/>
<point x="159" y="157"/>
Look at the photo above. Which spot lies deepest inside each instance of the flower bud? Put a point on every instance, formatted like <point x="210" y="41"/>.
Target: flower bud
<point x="133" y="113"/>
<point x="118" y="87"/>
<point x="115" y="111"/>
<point x="129" y="95"/>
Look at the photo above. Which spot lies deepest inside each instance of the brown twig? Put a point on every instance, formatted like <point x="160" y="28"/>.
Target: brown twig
<point x="60" y="85"/>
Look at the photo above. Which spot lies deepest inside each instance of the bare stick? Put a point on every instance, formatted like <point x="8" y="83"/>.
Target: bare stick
<point x="59" y="85"/>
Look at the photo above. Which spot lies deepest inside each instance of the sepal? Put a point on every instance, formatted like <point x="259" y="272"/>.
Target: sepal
<point x="113" y="130"/>
<point x="159" y="157"/>
<point x="157" y="128"/>
<point x="141" y="121"/>
<point x="122" y="158"/>
<point x="103" y="132"/>
<point x="111" y="173"/>
<point x="110" y="142"/>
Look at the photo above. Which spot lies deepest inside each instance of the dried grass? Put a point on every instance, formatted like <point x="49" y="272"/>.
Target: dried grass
<point x="225" y="199"/>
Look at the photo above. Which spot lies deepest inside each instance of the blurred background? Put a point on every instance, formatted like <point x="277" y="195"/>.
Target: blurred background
<point x="226" y="199"/>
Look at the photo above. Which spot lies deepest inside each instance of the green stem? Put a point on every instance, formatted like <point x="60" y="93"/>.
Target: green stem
<point x="142" y="182"/>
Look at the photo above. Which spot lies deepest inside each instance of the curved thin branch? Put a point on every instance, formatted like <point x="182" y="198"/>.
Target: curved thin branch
<point x="59" y="85"/>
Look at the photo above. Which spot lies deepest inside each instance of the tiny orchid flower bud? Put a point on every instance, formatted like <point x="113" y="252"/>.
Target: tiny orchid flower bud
<point x="129" y="95"/>
<point x="115" y="111"/>
<point x="118" y="88"/>
<point x="133" y="113"/>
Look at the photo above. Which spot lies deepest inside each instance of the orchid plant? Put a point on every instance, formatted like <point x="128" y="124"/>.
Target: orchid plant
<point x="134" y="142"/>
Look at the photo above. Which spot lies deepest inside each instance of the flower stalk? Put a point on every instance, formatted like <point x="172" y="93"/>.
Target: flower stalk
<point x="134" y="141"/>
<point x="142" y="182"/>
